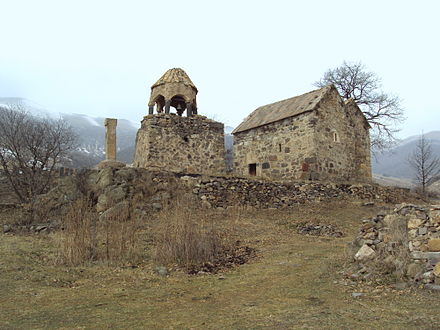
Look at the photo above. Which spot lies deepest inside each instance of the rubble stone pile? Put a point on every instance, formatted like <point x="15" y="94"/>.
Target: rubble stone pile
<point x="405" y="241"/>
<point x="317" y="229"/>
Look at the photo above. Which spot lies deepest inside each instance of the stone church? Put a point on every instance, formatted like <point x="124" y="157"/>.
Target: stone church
<point x="315" y="136"/>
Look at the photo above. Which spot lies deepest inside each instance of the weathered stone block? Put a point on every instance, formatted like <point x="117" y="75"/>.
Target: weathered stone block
<point x="364" y="253"/>
<point x="436" y="270"/>
<point x="434" y="245"/>
<point x="414" y="223"/>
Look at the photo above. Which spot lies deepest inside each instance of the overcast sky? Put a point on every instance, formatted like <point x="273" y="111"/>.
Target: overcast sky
<point x="101" y="57"/>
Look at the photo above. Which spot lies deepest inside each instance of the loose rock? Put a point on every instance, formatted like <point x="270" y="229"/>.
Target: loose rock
<point x="364" y="253"/>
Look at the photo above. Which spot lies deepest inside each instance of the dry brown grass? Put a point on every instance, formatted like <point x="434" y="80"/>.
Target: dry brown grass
<point x="293" y="283"/>
<point x="189" y="236"/>
<point x="113" y="239"/>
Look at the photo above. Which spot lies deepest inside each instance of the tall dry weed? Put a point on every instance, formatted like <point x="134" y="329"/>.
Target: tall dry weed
<point x="78" y="244"/>
<point x="395" y="256"/>
<point x="188" y="235"/>
<point x="111" y="239"/>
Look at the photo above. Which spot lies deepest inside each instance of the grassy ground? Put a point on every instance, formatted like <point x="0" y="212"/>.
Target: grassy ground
<point x="294" y="282"/>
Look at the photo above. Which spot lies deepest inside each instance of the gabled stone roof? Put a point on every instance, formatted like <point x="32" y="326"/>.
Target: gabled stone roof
<point x="175" y="75"/>
<point x="283" y="109"/>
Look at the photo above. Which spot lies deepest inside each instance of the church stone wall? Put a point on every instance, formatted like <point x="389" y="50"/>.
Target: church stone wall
<point x="342" y="141"/>
<point x="281" y="150"/>
<point x="330" y="143"/>
<point x="180" y="144"/>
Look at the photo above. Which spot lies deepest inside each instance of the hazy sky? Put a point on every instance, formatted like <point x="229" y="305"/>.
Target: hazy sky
<point x="101" y="57"/>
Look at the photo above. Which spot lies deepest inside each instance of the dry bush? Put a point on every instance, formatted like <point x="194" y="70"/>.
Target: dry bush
<point x="426" y="195"/>
<point x="395" y="256"/>
<point x="79" y="243"/>
<point x="190" y="237"/>
<point x="113" y="239"/>
<point x="120" y="233"/>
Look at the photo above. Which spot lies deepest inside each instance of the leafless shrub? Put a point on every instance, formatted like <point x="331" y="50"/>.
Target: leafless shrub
<point x="30" y="150"/>
<point x="427" y="194"/>
<point x="79" y="241"/>
<point x="120" y="232"/>
<point x="113" y="239"/>
<point x="188" y="236"/>
<point x="395" y="256"/>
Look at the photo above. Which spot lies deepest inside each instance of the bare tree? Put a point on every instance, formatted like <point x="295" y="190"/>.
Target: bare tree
<point x="30" y="149"/>
<point x="424" y="163"/>
<point x="382" y="110"/>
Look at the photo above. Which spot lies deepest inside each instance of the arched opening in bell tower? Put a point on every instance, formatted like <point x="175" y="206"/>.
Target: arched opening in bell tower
<point x="178" y="102"/>
<point x="160" y="103"/>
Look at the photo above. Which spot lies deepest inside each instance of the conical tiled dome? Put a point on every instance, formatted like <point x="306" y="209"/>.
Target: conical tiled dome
<point x="174" y="89"/>
<point x="175" y="75"/>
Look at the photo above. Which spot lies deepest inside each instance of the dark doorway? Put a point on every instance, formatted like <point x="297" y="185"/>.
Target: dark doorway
<point x="252" y="169"/>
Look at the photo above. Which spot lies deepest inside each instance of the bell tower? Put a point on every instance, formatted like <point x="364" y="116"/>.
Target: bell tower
<point x="174" y="89"/>
<point x="169" y="141"/>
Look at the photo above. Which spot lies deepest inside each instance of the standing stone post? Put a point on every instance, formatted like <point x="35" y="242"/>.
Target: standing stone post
<point x="110" y="138"/>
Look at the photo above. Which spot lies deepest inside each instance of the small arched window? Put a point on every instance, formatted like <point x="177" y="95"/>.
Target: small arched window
<point x="335" y="136"/>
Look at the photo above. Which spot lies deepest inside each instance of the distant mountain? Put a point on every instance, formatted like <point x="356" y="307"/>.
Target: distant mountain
<point x="394" y="163"/>
<point x="91" y="134"/>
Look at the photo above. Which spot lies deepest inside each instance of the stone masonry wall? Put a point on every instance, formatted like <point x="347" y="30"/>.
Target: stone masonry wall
<point x="153" y="189"/>
<point x="413" y="251"/>
<point x="330" y="143"/>
<point x="280" y="150"/>
<point x="180" y="144"/>
<point x="342" y="141"/>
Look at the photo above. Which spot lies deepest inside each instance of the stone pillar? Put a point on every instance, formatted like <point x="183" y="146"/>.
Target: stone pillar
<point x="167" y="106"/>
<point x="110" y="138"/>
<point x="150" y="109"/>
<point x="188" y="109"/>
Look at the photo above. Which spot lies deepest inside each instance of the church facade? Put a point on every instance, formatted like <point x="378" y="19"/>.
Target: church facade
<point x="314" y="136"/>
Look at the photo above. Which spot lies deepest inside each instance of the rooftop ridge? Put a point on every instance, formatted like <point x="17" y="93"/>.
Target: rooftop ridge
<point x="174" y="75"/>
<point x="283" y="109"/>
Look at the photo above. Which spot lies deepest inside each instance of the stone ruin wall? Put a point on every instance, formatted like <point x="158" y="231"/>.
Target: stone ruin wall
<point x="414" y="252"/>
<point x="347" y="158"/>
<point x="155" y="189"/>
<point x="145" y="192"/>
<point x="279" y="149"/>
<point x="180" y="144"/>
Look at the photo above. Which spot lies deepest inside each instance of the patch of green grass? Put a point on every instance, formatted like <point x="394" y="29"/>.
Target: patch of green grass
<point x="293" y="282"/>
